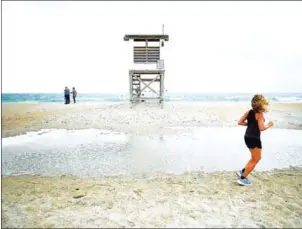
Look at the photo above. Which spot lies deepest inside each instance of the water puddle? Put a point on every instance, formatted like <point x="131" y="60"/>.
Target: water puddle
<point x="95" y="152"/>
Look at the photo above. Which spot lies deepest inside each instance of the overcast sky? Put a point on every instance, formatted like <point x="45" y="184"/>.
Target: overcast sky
<point x="214" y="46"/>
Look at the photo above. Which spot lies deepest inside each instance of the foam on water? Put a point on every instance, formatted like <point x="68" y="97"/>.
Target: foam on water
<point x="169" y="97"/>
<point x="94" y="152"/>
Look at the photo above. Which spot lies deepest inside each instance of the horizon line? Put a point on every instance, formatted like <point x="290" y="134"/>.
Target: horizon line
<point x="150" y="92"/>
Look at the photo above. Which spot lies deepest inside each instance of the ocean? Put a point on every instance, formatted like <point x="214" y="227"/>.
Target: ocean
<point x="169" y="97"/>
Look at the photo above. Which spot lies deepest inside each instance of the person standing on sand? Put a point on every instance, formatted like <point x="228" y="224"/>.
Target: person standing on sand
<point x="74" y="94"/>
<point x="67" y="95"/>
<point x="254" y="120"/>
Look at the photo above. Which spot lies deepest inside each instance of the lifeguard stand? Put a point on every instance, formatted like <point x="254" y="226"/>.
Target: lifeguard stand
<point x="149" y="67"/>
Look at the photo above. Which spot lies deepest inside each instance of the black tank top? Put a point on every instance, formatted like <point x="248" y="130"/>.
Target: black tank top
<point x="252" y="130"/>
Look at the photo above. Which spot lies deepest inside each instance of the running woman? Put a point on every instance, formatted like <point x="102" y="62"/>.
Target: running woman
<point x="254" y="120"/>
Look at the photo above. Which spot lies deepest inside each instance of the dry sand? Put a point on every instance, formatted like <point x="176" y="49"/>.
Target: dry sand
<point x="142" y="119"/>
<point x="186" y="200"/>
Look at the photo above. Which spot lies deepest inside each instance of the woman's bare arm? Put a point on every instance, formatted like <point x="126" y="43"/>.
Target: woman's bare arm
<point x="242" y="120"/>
<point x="260" y="119"/>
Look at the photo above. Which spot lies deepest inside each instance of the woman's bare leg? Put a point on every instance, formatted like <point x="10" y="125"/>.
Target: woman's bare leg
<point x="256" y="157"/>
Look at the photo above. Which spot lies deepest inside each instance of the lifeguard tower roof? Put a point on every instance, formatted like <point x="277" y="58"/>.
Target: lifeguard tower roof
<point x="148" y="37"/>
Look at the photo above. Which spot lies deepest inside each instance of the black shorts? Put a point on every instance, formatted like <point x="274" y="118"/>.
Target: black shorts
<point x="251" y="143"/>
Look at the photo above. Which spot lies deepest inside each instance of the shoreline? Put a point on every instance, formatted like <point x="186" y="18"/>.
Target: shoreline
<point x="147" y="101"/>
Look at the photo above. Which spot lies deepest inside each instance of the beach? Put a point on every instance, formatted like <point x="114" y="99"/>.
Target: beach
<point x="19" y="118"/>
<point x="77" y="153"/>
<point x="99" y="164"/>
<point x="187" y="200"/>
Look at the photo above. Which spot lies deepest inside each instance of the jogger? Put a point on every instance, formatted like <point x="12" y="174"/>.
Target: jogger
<point x="254" y="120"/>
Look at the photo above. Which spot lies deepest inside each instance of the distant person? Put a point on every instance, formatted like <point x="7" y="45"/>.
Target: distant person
<point x="74" y="94"/>
<point x="137" y="90"/>
<point x="254" y="120"/>
<point x="67" y="95"/>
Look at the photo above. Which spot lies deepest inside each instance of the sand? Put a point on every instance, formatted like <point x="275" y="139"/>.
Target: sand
<point x="187" y="200"/>
<point x="193" y="199"/>
<point x="142" y="119"/>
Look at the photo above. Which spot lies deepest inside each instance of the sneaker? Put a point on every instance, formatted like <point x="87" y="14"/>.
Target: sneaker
<point x="244" y="182"/>
<point x="239" y="173"/>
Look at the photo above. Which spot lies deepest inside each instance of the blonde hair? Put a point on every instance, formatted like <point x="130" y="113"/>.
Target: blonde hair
<point x="258" y="103"/>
